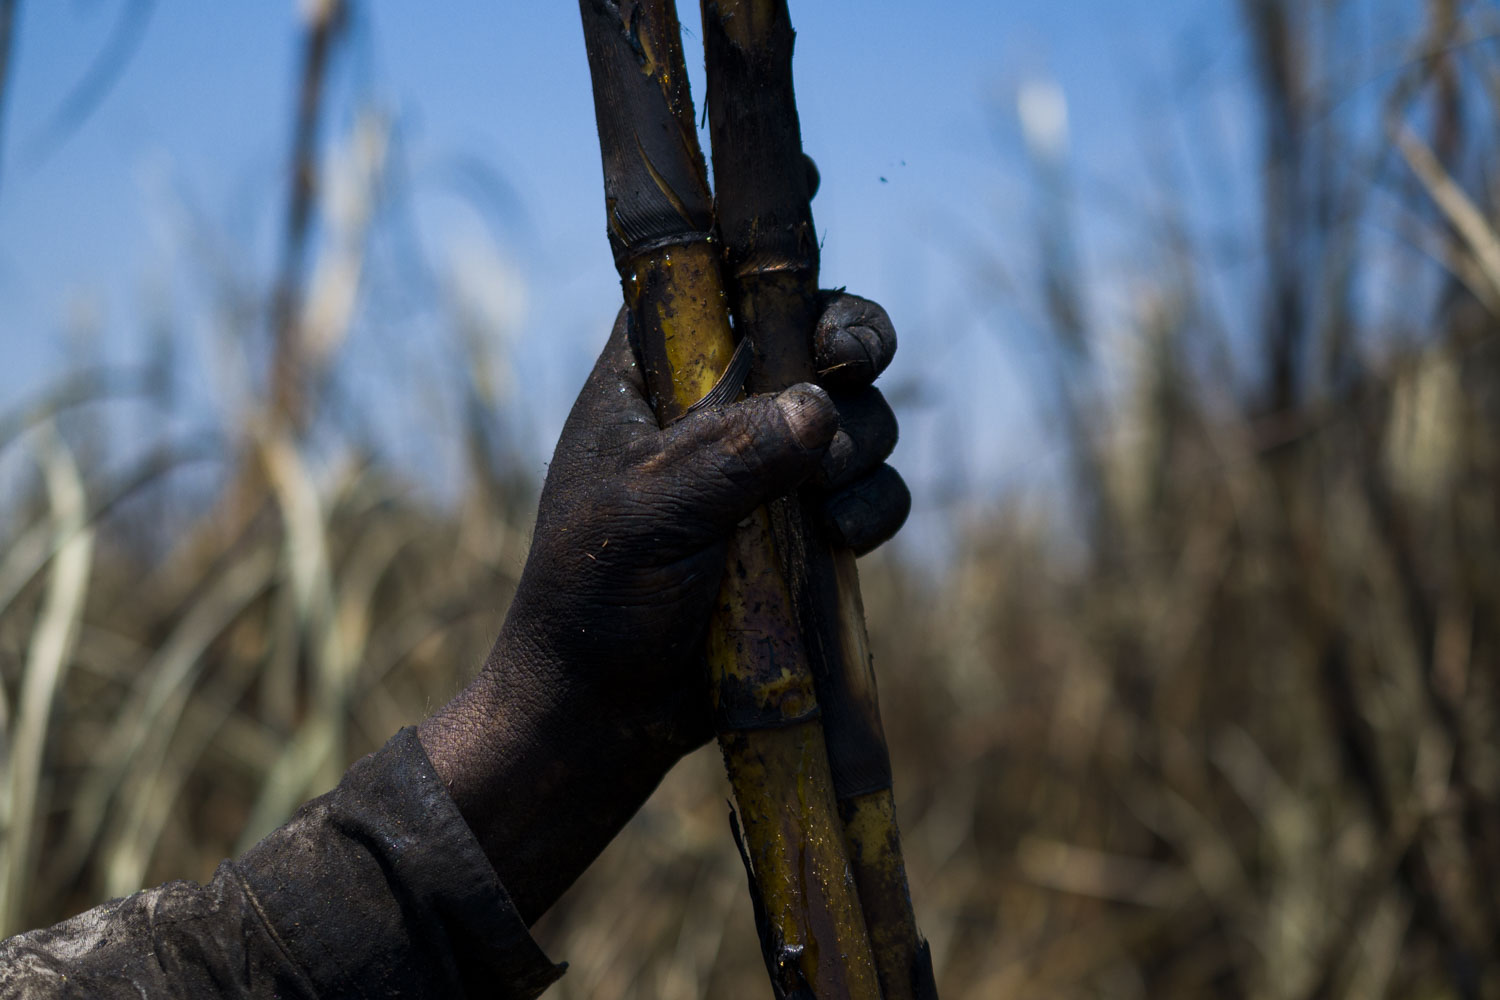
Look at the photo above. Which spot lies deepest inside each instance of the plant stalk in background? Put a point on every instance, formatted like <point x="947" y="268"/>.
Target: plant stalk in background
<point x="7" y="32"/>
<point x="326" y="20"/>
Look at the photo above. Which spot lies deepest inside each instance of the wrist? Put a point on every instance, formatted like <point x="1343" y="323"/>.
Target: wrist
<point x="543" y="766"/>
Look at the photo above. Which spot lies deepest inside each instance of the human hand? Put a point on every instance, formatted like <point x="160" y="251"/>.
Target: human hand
<point x="599" y="667"/>
<point x="634" y="520"/>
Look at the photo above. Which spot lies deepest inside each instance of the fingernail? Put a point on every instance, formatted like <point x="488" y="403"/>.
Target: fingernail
<point x="810" y="414"/>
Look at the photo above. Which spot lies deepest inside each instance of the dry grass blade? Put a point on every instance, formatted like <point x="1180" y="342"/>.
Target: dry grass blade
<point x="25" y="557"/>
<point x="79" y="388"/>
<point x="1087" y="872"/>
<point x="29" y="552"/>
<point x="335" y="609"/>
<point x="325" y="24"/>
<point x="50" y="653"/>
<point x="1459" y="209"/>
<point x="149" y="714"/>
<point x="124" y="41"/>
<point x="149" y="792"/>
<point x="355" y="177"/>
<point x="306" y="561"/>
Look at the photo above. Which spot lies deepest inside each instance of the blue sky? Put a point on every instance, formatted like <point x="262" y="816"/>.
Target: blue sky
<point x="908" y="109"/>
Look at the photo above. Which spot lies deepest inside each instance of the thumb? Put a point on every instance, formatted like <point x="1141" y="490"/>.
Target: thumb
<point x="725" y="462"/>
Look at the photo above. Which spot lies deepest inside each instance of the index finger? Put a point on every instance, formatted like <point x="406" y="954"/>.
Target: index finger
<point x="615" y="392"/>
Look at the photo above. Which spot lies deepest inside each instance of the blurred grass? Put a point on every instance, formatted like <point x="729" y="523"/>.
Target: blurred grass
<point x="1220" y="721"/>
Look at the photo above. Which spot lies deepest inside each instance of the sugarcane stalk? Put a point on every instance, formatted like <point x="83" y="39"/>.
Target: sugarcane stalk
<point x="660" y="216"/>
<point x="771" y="257"/>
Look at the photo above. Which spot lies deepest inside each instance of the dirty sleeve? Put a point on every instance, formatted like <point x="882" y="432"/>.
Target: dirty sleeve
<point x="377" y="889"/>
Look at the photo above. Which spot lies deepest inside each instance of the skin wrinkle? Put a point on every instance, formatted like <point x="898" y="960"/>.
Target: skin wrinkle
<point x="596" y="685"/>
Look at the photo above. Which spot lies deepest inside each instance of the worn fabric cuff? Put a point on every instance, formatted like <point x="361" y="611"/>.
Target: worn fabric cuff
<point x="380" y="889"/>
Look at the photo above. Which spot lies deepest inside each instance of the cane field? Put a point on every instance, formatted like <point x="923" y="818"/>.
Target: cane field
<point x="1209" y="706"/>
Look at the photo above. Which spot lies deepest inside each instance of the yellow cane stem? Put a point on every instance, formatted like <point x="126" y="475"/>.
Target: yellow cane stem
<point x="660" y="222"/>
<point x="771" y="253"/>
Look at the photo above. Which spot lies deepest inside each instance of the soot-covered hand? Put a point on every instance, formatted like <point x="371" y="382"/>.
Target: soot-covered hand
<point x="598" y="682"/>
<point x="634" y="519"/>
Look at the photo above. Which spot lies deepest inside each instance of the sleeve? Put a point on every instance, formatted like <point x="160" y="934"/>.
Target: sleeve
<point x="377" y="889"/>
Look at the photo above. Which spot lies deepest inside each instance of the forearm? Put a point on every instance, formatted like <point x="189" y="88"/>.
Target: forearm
<point x="543" y="769"/>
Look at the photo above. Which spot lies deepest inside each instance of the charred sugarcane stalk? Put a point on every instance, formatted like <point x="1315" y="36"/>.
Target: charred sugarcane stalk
<point x="660" y="216"/>
<point x="771" y="258"/>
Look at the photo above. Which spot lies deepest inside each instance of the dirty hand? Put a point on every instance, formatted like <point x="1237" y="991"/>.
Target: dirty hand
<point x="597" y="684"/>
